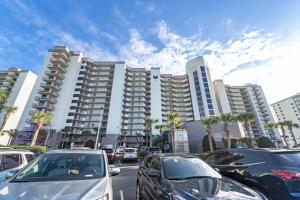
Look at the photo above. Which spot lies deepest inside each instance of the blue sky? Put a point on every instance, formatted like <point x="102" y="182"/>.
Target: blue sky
<point x="254" y="41"/>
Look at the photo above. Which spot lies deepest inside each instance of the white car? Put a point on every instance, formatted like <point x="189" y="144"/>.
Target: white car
<point x="63" y="174"/>
<point x="130" y="154"/>
<point x="12" y="160"/>
<point x="120" y="149"/>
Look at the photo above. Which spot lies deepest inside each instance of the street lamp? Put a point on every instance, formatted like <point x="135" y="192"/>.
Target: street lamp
<point x="99" y="126"/>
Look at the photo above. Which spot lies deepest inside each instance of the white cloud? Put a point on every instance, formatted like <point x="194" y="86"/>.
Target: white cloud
<point x="252" y="57"/>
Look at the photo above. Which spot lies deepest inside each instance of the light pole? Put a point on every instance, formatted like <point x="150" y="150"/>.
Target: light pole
<point x="99" y="126"/>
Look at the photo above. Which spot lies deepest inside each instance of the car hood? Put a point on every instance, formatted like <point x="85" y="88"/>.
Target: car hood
<point x="213" y="189"/>
<point x="54" y="190"/>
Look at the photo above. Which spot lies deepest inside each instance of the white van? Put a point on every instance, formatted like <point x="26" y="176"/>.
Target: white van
<point x="12" y="160"/>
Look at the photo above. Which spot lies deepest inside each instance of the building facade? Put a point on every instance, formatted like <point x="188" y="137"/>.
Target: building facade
<point x="18" y="84"/>
<point x="246" y="98"/>
<point x="84" y="94"/>
<point x="289" y="109"/>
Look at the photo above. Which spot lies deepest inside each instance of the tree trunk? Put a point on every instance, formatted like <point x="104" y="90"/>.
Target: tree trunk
<point x="173" y="138"/>
<point x="294" y="138"/>
<point x="36" y="133"/>
<point x="226" y="130"/>
<point x="150" y="142"/>
<point x="211" y="148"/>
<point x="3" y="124"/>
<point x="284" y="138"/>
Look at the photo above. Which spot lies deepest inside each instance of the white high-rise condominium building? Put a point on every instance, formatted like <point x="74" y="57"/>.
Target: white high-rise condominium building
<point x="246" y="98"/>
<point x="289" y="109"/>
<point x="18" y="85"/>
<point x="78" y="91"/>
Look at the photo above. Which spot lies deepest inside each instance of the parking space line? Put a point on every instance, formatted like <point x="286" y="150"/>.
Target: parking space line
<point x="121" y="195"/>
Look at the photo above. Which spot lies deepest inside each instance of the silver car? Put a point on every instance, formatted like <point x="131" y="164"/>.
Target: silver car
<point x="63" y="175"/>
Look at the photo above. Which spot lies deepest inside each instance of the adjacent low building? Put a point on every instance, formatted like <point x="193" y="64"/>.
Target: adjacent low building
<point x="289" y="109"/>
<point x="18" y="83"/>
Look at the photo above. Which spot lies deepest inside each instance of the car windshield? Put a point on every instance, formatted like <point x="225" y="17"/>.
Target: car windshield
<point x="182" y="168"/>
<point x="129" y="150"/>
<point x="288" y="158"/>
<point x="63" y="167"/>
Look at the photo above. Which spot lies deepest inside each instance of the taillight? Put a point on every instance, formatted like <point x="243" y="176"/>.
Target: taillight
<point x="287" y="174"/>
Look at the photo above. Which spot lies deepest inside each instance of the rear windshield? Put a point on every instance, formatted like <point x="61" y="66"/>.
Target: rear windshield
<point x="130" y="150"/>
<point x="288" y="158"/>
<point x="108" y="150"/>
<point x="154" y="149"/>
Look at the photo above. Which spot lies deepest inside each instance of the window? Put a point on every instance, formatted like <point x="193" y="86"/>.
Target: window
<point x="29" y="157"/>
<point x="210" y="106"/>
<point x="9" y="161"/>
<point x="155" y="164"/>
<point x="211" y="112"/>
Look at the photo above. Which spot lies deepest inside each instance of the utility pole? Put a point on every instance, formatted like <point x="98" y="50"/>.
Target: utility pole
<point x="99" y="126"/>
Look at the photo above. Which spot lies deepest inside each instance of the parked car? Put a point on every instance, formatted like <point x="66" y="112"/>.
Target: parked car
<point x="120" y="149"/>
<point x="63" y="174"/>
<point x="110" y="152"/>
<point x="153" y="150"/>
<point x="13" y="160"/>
<point x="184" y="177"/>
<point x="130" y="154"/>
<point x="275" y="172"/>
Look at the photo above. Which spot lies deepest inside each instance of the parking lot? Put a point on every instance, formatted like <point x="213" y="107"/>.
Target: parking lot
<point x="124" y="183"/>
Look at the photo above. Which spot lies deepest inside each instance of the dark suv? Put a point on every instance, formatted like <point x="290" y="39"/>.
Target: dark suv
<point x="275" y="172"/>
<point x="185" y="177"/>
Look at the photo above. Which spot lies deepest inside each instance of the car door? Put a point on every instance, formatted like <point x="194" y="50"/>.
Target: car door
<point x="143" y="177"/>
<point x="155" y="181"/>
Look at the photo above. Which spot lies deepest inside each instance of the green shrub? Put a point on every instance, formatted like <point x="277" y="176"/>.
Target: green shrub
<point x="264" y="142"/>
<point x="35" y="149"/>
<point x="141" y="154"/>
<point x="205" y="144"/>
<point x="201" y="155"/>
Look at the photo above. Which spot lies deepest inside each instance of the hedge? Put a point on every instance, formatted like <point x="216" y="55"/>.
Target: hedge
<point x="264" y="142"/>
<point x="35" y="149"/>
<point x="236" y="141"/>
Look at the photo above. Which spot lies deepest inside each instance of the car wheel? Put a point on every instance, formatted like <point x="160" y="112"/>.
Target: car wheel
<point x="138" y="192"/>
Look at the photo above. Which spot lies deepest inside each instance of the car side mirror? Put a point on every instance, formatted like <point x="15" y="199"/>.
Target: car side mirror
<point x="10" y="174"/>
<point x="153" y="173"/>
<point x="114" y="171"/>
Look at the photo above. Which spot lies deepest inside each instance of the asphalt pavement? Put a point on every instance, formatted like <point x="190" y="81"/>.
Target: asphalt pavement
<point x="124" y="184"/>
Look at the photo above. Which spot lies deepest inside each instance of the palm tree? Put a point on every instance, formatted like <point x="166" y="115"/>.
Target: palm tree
<point x="8" y="110"/>
<point x="290" y="125"/>
<point x="3" y="97"/>
<point x="270" y="127"/>
<point x="161" y="128"/>
<point x="174" y="121"/>
<point x="227" y="118"/>
<point x="207" y="123"/>
<point x="86" y="133"/>
<point x="246" y="119"/>
<point x="149" y="123"/>
<point x="282" y="126"/>
<point x="40" y="118"/>
<point x="11" y="133"/>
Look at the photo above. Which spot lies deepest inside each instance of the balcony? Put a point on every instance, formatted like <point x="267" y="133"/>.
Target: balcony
<point x="50" y="85"/>
<point x="58" y="61"/>
<point x="61" y="55"/>
<point x="46" y="99"/>
<point x="55" y="73"/>
<point x="55" y="80"/>
<point x="60" y="68"/>
<point x="48" y="92"/>
<point x="43" y="106"/>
